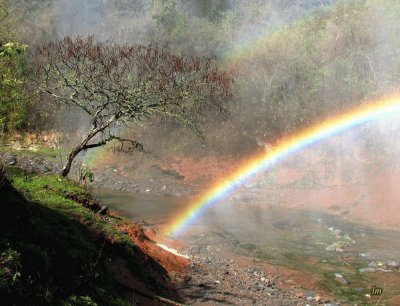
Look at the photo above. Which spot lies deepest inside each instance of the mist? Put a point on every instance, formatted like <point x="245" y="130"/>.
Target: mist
<point x="208" y="89"/>
<point x="294" y="63"/>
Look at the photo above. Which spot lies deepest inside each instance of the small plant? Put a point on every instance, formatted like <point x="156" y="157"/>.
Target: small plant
<point x="80" y="301"/>
<point x="85" y="176"/>
<point x="9" y="268"/>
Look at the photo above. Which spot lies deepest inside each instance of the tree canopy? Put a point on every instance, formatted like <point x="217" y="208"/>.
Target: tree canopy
<point x="118" y="85"/>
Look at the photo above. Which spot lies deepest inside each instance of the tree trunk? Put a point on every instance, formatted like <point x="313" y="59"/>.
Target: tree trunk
<point x="84" y="146"/>
<point x="67" y="167"/>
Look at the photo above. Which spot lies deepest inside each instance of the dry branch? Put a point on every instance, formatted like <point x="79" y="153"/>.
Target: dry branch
<point x="125" y="84"/>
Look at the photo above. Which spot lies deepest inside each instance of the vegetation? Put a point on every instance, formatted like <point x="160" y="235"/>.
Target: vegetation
<point x="311" y="68"/>
<point x="13" y="114"/>
<point x="292" y="64"/>
<point x="117" y="85"/>
<point x="314" y="58"/>
<point x="13" y="108"/>
<point x="53" y="250"/>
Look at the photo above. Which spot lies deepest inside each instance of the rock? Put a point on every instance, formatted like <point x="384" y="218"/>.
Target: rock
<point x="187" y="278"/>
<point x="330" y="248"/>
<point x="384" y="270"/>
<point x="309" y="294"/>
<point x="9" y="158"/>
<point x="367" y="270"/>
<point x="300" y="295"/>
<point x="269" y="282"/>
<point x="340" y="278"/>
<point x="392" y="263"/>
<point x="338" y="232"/>
<point x="337" y="246"/>
<point x="103" y="210"/>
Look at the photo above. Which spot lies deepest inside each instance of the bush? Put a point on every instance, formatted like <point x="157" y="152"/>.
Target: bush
<point x="80" y="301"/>
<point x="13" y="107"/>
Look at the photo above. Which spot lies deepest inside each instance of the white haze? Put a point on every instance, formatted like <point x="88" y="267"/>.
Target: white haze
<point x="253" y="115"/>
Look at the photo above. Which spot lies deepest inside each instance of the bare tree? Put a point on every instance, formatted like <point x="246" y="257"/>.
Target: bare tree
<point x="125" y="84"/>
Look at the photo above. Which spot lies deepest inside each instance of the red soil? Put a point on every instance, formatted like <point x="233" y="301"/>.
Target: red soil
<point x="202" y="169"/>
<point x="169" y="261"/>
<point x="372" y="199"/>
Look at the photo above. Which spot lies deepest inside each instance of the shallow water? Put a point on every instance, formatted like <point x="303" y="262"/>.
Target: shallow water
<point x="298" y="239"/>
<point x="152" y="208"/>
<point x="289" y="237"/>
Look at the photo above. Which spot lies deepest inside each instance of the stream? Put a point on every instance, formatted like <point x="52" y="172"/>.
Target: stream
<point x="347" y="260"/>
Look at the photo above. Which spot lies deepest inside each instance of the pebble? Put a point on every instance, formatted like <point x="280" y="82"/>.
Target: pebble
<point x="393" y="263"/>
<point x="367" y="270"/>
<point x="103" y="210"/>
<point x="300" y="295"/>
<point x="340" y="278"/>
<point x="331" y="248"/>
<point x="12" y="163"/>
<point x="384" y="270"/>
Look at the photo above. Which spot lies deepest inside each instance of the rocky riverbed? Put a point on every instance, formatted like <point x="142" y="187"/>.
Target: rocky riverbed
<point x="215" y="278"/>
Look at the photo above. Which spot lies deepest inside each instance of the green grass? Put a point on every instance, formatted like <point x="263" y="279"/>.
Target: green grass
<point x="39" y="151"/>
<point x="49" y="245"/>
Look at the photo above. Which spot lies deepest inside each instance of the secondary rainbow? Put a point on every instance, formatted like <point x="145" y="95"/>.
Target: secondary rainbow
<point x="287" y="146"/>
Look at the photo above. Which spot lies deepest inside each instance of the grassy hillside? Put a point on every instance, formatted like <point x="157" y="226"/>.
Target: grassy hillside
<point x="55" y="251"/>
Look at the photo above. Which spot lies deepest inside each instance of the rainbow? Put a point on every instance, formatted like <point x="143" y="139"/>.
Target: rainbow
<point x="264" y="160"/>
<point x="249" y="47"/>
